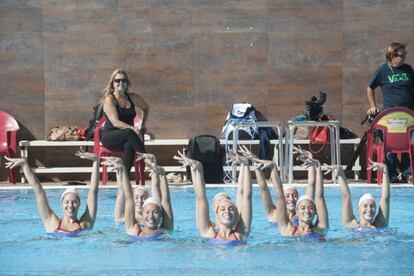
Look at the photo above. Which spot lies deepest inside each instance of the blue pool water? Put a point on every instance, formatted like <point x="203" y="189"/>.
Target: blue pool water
<point x="106" y="250"/>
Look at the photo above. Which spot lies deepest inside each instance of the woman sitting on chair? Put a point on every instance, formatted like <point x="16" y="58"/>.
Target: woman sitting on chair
<point x="69" y="225"/>
<point x="231" y="225"/>
<point x="157" y="214"/>
<point x="119" y="131"/>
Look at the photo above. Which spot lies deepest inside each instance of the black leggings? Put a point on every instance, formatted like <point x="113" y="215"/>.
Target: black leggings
<point x="123" y="139"/>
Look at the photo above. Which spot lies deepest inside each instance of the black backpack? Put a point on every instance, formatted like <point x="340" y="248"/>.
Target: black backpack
<point x="206" y="149"/>
<point x="97" y="115"/>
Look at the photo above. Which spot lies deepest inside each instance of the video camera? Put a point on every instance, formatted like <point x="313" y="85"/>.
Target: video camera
<point x="313" y="108"/>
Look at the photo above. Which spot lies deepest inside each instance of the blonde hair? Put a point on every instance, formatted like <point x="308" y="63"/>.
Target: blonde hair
<point x="392" y="50"/>
<point x="109" y="89"/>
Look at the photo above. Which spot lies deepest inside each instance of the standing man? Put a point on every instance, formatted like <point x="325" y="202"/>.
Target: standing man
<point x="396" y="80"/>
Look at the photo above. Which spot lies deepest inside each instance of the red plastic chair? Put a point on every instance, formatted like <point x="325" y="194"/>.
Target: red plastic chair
<point x="8" y="143"/>
<point x="391" y="131"/>
<point x="100" y="151"/>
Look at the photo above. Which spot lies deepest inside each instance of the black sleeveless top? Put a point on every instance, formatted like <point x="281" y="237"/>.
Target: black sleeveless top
<point x="125" y="115"/>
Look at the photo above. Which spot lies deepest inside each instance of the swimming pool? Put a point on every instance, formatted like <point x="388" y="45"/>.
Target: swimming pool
<point x="25" y="248"/>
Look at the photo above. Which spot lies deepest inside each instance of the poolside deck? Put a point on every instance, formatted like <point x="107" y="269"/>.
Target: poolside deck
<point x="5" y="185"/>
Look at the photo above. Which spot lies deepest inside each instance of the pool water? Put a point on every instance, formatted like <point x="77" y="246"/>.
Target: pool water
<point x="25" y="248"/>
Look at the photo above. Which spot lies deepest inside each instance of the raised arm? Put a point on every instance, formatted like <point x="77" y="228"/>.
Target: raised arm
<point x="239" y="196"/>
<point x="244" y="224"/>
<point x="348" y="216"/>
<point x="167" y="211"/>
<point x="310" y="188"/>
<point x="119" y="202"/>
<point x="49" y="218"/>
<point x="304" y="156"/>
<point x="116" y="164"/>
<point x="202" y="212"/>
<point x="285" y="227"/>
<point x="321" y="210"/>
<point x="383" y="216"/>
<point x="269" y="207"/>
<point x="234" y="160"/>
<point x="87" y="220"/>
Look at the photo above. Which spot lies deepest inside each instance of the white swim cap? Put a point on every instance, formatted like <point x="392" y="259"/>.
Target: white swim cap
<point x="365" y="197"/>
<point x="217" y="196"/>
<point x="141" y="188"/>
<point x="290" y="187"/>
<point x="151" y="200"/>
<point x="69" y="190"/>
<point x="304" y="197"/>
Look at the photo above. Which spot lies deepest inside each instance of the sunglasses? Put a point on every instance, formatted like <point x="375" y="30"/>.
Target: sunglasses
<point x="120" y="80"/>
<point x="401" y="56"/>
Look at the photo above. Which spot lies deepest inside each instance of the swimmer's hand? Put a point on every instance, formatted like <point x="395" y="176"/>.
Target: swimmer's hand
<point x="332" y="168"/>
<point x="234" y="159"/>
<point x="263" y="164"/>
<point x="113" y="163"/>
<point x="245" y="152"/>
<point x="303" y="154"/>
<point x="310" y="162"/>
<point x="376" y="166"/>
<point x="86" y="155"/>
<point x="14" y="162"/>
<point x="154" y="169"/>
<point x="187" y="162"/>
<point x="147" y="157"/>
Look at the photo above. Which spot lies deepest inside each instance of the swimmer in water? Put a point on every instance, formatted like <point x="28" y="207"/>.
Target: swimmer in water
<point x="290" y="191"/>
<point x="157" y="214"/>
<point x="70" y="199"/>
<point x="234" y="159"/>
<point x="306" y="207"/>
<point x="367" y="206"/>
<point x="140" y="194"/>
<point x="232" y="224"/>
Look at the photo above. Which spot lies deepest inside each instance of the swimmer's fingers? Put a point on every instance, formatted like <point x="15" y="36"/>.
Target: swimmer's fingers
<point x="112" y="162"/>
<point x="231" y="158"/>
<point x="86" y="155"/>
<point x="185" y="161"/>
<point x="113" y="166"/>
<point x="182" y="161"/>
<point x="112" y="159"/>
<point x="330" y="168"/>
<point x="246" y="152"/>
<point x="140" y="156"/>
<point x="311" y="163"/>
<point x="181" y="154"/>
<point x="263" y="164"/>
<point x="297" y="150"/>
<point x="243" y="150"/>
<point x="147" y="157"/>
<point x="376" y="166"/>
<point x="268" y="165"/>
<point x="14" y="162"/>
